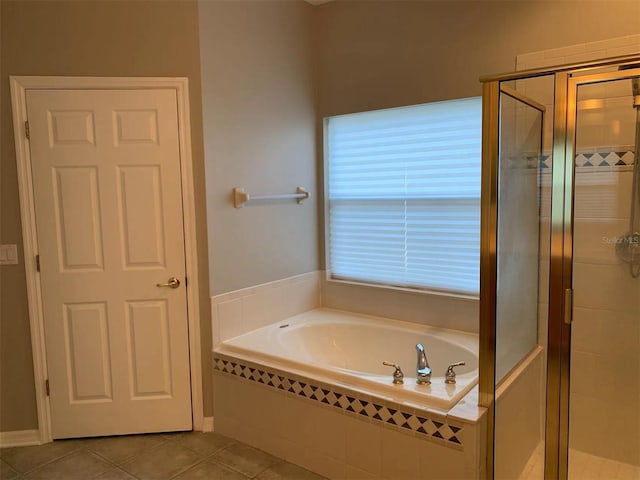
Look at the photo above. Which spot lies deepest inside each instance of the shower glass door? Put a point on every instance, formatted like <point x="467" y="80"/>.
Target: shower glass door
<point x="521" y="288"/>
<point x="604" y="363"/>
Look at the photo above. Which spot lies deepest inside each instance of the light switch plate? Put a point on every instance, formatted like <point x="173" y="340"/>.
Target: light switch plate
<point x="8" y="254"/>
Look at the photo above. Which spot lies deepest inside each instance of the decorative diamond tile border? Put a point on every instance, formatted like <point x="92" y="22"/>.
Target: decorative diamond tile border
<point x="346" y="400"/>
<point x="618" y="158"/>
<point x="622" y="157"/>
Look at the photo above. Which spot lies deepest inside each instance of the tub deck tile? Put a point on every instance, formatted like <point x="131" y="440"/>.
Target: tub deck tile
<point x="410" y="419"/>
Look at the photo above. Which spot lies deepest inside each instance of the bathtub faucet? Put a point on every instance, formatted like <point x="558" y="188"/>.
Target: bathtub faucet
<point x="423" y="371"/>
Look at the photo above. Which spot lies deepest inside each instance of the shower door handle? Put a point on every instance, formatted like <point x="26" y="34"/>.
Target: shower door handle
<point x="568" y="306"/>
<point x="172" y="283"/>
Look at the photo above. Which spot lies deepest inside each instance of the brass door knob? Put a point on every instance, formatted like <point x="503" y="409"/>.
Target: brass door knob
<point x="173" y="282"/>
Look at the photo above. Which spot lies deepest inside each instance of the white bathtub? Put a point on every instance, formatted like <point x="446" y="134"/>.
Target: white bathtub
<point x="348" y="349"/>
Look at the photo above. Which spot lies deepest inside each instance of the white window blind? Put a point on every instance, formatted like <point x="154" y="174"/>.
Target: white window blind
<point x="403" y="191"/>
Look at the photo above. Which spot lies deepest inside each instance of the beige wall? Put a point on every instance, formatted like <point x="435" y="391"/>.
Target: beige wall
<point x="259" y="121"/>
<point x="112" y="38"/>
<point x="377" y="54"/>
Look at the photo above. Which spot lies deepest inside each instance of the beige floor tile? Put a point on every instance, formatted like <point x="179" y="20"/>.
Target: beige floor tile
<point x="184" y="456"/>
<point x="79" y="465"/>
<point x="245" y="459"/>
<point x="25" y="459"/>
<point x="115" y="474"/>
<point x="210" y="470"/>
<point x="203" y="443"/>
<point x="172" y="435"/>
<point x="121" y="448"/>
<point x="161" y="462"/>
<point x="6" y="472"/>
<point x="287" y="471"/>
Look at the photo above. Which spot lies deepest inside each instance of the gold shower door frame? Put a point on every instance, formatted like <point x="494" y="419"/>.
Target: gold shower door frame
<point x="567" y="79"/>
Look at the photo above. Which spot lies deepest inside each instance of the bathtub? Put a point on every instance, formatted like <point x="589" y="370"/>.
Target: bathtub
<point x="348" y="349"/>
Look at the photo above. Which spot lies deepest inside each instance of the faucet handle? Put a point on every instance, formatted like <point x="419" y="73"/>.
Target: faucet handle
<point x="398" y="375"/>
<point x="450" y="376"/>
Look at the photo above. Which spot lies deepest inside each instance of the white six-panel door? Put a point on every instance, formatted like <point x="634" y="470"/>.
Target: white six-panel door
<point x="106" y="180"/>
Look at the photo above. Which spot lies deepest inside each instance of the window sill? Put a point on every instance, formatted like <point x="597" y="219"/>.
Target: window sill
<point x="416" y="291"/>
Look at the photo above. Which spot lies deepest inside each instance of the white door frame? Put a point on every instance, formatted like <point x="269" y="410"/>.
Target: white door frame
<point x="19" y="87"/>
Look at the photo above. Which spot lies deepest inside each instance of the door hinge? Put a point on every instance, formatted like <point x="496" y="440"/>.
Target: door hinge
<point x="27" y="133"/>
<point x="185" y="281"/>
<point x="46" y="386"/>
<point x="37" y="263"/>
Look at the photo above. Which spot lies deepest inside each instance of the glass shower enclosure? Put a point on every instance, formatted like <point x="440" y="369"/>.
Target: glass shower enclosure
<point x="560" y="272"/>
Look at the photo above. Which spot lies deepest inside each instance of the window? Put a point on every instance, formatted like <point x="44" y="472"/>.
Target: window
<point x="403" y="196"/>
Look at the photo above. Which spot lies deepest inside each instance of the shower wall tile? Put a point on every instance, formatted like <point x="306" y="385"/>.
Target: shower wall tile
<point x="559" y="53"/>
<point x="620" y="51"/>
<point x="603" y="193"/>
<point x="613" y="336"/>
<point x="605" y="372"/>
<point x="598" y="237"/>
<point x="242" y="311"/>
<point x="612" y="380"/>
<point x="606" y="287"/>
<point x="632" y="41"/>
<point x="589" y="324"/>
<point x="605" y="434"/>
<point x="587" y="371"/>
<point x="583" y="52"/>
<point x="583" y="57"/>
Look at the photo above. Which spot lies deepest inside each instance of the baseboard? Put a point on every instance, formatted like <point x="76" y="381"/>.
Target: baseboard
<point x="20" y="438"/>
<point x="207" y="424"/>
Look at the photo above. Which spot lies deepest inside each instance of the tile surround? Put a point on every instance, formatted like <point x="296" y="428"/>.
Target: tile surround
<point x="584" y="52"/>
<point x="434" y="428"/>
<point x="242" y="311"/>
<point x="317" y="436"/>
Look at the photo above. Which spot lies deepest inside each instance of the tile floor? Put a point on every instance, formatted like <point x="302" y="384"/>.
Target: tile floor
<point x="179" y="456"/>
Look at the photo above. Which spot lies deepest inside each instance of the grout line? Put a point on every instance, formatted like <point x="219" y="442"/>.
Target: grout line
<point x="202" y="460"/>
<point x="111" y="462"/>
<point x="42" y="464"/>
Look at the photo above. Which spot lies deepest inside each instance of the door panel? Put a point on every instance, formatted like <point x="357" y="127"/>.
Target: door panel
<point x="141" y="223"/>
<point x="71" y="128"/>
<point x="106" y="175"/>
<point x="149" y="357"/>
<point x="77" y="214"/>
<point x="88" y="352"/>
